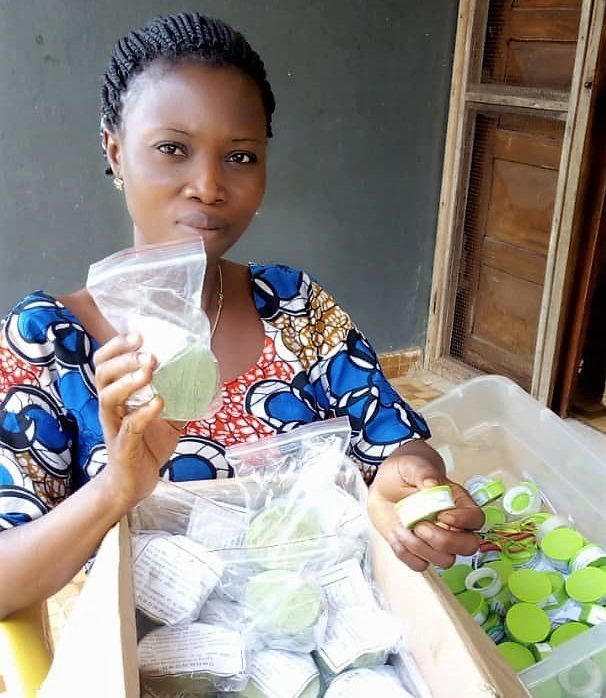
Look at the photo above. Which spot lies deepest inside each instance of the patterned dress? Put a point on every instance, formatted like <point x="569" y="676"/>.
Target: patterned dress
<point x="314" y="365"/>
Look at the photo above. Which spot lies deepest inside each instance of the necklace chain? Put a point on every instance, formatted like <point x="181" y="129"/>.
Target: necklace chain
<point x="219" y="302"/>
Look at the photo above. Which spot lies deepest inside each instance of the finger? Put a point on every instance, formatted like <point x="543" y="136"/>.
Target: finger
<point x="450" y="542"/>
<point x="119" y="344"/>
<point x="113" y="369"/>
<point x="467" y="514"/>
<point x="418" y="547"/>
<point x="136" y="422"/>
<point x="118" y="392"/>
<point x="419" y="473"/>
<point x="402" y="553"/>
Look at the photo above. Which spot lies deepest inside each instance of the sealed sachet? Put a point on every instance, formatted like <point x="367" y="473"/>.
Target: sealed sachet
<point x="156" y="291"/>
<point x="282" y="565"/>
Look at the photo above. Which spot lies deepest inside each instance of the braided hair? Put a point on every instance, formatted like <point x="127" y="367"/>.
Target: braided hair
<point x="176" y="38"/>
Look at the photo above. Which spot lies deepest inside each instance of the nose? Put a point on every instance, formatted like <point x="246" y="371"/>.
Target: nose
<point x="206" y="183"/>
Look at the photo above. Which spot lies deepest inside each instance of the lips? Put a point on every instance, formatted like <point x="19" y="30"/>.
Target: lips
<point x="202" y="221"/>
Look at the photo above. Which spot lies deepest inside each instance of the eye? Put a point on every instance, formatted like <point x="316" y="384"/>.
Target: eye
<point x="171" y="149"/>
<point x="242" y="158"/>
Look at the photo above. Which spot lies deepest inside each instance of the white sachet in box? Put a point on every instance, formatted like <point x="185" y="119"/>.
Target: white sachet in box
<point x="195" y="658"/>
<point x="173" y="576"/>
<point x="381" y="682"/>
<point x="358" y="637"/>
<point x="279" y="674"/>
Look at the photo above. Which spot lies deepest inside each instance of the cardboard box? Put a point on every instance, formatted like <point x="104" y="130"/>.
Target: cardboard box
<point x="97" y="655"/>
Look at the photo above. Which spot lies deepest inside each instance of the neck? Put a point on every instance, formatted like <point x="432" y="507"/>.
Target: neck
<point x="210" y="288"/>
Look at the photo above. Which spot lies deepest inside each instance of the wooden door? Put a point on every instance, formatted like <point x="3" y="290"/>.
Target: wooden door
<point x="507" y="200"/>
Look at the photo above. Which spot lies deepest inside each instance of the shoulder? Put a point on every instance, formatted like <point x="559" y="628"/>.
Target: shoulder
<point x="282" y="290"/>
<point x="33" y="326"/>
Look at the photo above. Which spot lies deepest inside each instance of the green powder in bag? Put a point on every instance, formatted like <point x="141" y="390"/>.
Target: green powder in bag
<point x="187" y="383"/>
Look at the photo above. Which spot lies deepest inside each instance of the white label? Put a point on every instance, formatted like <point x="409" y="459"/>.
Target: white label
<point x="586" y="557"/>
<point x="220" y="611"/>
<point x="192" y="649"/>
<point x="345" y="585"/>
<point x="362" y="683"/>
<point x="281" y="674"/>
<point x="173" y="576"/>
<point x="217" y="526"/>
<point x="571" y="610"/>
<point x="354" y="632"/>
<point x="422" y="504"/>
<point x="596" y="615"/>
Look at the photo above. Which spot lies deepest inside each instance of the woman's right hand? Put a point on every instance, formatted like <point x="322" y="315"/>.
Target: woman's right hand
<point x="138" y="443"/>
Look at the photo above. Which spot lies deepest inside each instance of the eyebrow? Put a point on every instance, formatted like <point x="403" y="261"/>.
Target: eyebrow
<point x="234" y="140"/>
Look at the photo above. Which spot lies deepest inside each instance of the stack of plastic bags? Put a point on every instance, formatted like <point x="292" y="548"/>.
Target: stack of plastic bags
<point x="260" y="585"/>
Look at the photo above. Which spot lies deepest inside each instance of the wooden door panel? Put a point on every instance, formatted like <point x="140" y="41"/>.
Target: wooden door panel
<point x="524" y="264"/>
<point x="521" y="204"/>
<point x="507" y="309"/>
<point x="540" y="63"/>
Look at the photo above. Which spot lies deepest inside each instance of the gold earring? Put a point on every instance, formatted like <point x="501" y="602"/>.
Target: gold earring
<point x="119" y="183"/>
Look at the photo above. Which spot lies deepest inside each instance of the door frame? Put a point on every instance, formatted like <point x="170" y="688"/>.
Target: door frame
<point x="467" y="93"/>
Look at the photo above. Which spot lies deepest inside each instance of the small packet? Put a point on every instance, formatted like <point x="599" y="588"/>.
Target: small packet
<point x="195" y="658"/>
<point x="286" y="611"/>
<point x="156" y="291"/>
<point x="217" y="525"/>
<point x="345" y="586"/>
<point x="361" y="683"/>
<point x="358" y="638"/>
<point x="278" y="674"/>
<point x="173" y="577"/>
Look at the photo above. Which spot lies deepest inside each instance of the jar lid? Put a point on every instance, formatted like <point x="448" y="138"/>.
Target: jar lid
<point x="521" y="557"/>
<point x="527" y="623"/>
<point x="455" y="576"/>
<point x="474" y="604"/>
<point x="485" y="492"/>
<point x="549" y="524"/>
<point x="493" y="516"/>
<point x="485" y="580"/>
<point x="530" y="586"/>
<point x="522" y="499"/>
<point x="587" y="585"/>
<point x="424" y="505"/>
<point x="503" y="567"/>
<point x="566" y="632"/>
<point x="516" y="655"/>
<point x="562" y="544"/>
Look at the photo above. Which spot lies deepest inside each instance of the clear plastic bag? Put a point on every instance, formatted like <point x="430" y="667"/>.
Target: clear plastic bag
<point x="292" y="535"/>
<point x="156" y="290"/>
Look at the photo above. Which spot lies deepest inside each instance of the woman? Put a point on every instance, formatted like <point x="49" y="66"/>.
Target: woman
<point x="186" y="114"/>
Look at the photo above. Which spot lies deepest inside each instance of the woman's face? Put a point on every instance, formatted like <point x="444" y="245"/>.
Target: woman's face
<point x="191" y="150"/>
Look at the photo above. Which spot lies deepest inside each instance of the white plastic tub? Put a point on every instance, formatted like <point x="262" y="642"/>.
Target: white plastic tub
<point x="489" y="425"/>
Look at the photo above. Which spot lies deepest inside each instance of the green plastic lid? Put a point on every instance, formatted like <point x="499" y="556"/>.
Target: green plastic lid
<point x="487" y="491"/>
<point x="526" y="623"/>
<point x="587" y="585"/>
<point x="530" y="586"/>
<point x="540" y="650"/>
<point x="562" y="544"/>
<point x="537" y="519"/>
<point x="503" y="567"/>
<point x="566" y="632"/>
<point x="521" y="557"/>
<point x="425" y="505"/>
<point x="474" y="603"/>
<point x="493" y="516"/>
<point x="455" y="576"/>
<point x="516" y="655"/>
<point x="558" y="589"/>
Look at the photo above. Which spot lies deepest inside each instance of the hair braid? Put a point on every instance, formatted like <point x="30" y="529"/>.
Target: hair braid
<point x="187" y="35"/>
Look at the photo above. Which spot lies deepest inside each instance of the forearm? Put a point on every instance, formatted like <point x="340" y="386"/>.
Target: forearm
<point x="39" y="558"/>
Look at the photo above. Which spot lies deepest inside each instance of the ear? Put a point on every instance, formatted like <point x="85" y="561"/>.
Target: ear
<point x="113" y="151"/>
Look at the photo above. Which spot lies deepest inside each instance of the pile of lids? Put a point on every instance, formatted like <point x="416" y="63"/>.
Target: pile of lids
<point x="536" y="582"/>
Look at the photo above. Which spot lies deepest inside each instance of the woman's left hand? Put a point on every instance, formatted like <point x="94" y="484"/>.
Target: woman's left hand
<point x="414" y="467"/>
